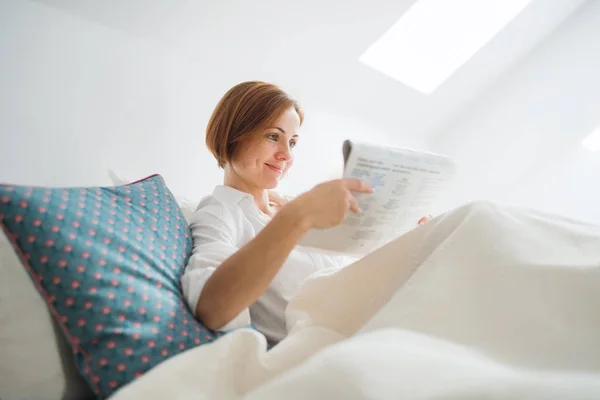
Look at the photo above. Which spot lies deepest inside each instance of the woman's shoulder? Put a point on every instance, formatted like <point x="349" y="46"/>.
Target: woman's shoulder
<point x="213" y="208"/>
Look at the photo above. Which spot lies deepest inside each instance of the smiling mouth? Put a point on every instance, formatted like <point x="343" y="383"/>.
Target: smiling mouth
<point x="279" y="170"/>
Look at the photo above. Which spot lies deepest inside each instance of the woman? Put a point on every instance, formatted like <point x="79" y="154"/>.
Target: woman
<point x="244" y="268"/>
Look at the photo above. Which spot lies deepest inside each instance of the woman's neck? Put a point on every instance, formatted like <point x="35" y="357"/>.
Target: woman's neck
<point x="260" y="195"/>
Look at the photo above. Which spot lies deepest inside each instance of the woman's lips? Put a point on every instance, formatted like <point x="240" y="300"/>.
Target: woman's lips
<point x="276" y="169"/>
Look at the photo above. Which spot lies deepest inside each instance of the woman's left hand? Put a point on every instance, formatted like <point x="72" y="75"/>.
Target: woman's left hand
<point x="424" y="219"/>
<point x="274" y="197"/>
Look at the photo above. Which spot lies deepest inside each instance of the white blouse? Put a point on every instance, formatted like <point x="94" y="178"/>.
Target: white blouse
<point x="222" y="224"/>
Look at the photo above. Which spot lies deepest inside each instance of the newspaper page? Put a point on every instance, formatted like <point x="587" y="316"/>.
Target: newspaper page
<point x="406" y="184"/>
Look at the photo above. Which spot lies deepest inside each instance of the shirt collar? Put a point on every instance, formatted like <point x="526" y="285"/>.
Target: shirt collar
<point x="230" y="195"/>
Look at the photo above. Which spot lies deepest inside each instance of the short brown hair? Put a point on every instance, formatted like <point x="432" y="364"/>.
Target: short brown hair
<point x="244" y="110"/>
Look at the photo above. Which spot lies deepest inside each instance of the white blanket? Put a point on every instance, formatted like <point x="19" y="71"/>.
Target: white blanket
<point x="484" y="302"/>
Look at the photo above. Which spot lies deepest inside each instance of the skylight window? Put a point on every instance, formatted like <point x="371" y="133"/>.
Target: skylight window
<point x="592" y="141"/>
<point x="435" y="37"/>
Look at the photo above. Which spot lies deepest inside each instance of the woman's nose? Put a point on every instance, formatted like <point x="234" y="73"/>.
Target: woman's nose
<point x="285" y="152"/>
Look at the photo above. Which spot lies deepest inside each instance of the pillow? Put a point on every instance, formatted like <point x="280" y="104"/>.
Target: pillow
<point x="187" y="205"/>
<point x="35" y="358"/>
<point x="108" y="263"/>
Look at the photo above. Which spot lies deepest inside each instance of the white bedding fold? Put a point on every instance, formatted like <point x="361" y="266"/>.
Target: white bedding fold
<point x="483" y="302"/>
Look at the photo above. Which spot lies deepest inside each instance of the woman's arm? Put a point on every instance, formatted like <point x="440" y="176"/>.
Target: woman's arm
<point x="243" y="277"/>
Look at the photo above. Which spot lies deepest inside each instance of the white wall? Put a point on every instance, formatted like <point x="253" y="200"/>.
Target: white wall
<point x="79" y="97"/>
<point x="520" y="143"/>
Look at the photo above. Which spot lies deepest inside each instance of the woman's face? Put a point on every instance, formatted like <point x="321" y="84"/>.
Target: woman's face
<point x="265" y="159"/>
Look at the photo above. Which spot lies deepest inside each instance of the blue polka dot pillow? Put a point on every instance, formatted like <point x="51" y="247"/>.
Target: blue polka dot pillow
<point x="108" y="263"/>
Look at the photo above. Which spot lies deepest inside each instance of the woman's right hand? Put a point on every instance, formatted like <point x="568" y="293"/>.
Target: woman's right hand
<point x="327" y="204"/>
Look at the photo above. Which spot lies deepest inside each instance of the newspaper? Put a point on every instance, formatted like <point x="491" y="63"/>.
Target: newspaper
<point x="406" y="184"/>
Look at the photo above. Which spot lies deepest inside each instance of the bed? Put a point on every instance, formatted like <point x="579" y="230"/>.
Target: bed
<point x="486" y="301"/>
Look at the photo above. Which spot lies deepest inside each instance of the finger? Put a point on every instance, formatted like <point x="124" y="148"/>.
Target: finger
<point x="356" y="185"/>
<point x="353" y="205"/>
<point x="425" y="219"/>
<point x="277" y="198"/>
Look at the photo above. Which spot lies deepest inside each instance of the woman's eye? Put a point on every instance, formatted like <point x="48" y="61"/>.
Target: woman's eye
<point x="292" y="144"/>
<point x="273" y="136"/>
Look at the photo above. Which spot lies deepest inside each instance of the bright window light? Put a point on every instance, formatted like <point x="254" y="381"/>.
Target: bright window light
<point x="592" y="141"/>
<point x="435" y="37"/>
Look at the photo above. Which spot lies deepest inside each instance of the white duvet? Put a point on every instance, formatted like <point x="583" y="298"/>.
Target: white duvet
<point x="485" y="302"/>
